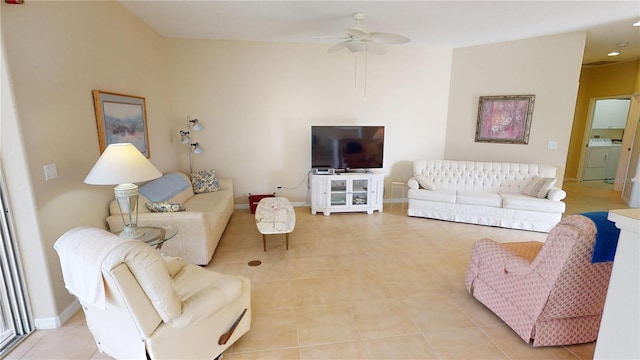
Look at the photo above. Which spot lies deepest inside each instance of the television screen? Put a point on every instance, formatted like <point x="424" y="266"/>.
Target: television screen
<point x="347" y="147"/>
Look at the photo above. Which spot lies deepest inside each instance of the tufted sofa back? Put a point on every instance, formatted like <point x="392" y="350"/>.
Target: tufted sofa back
<point x="481" y="176"/>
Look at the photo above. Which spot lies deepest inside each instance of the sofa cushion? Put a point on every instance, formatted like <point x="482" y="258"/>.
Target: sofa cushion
<point x="478" y="198"/>
<point x="447" y="196"/>
<point x="425" y="182"/>
<point x="214" y="202"/>
<point x="204" y="181"/>
<point x="539" y="186"/>
<point x="191" y="280"/>
<point x="526" y="202"/>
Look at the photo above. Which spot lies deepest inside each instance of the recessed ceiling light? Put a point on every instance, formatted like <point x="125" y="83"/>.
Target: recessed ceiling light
<point x="613" y="53"/>
<point x="623" y="44"/>
<point x="637" y="23"/>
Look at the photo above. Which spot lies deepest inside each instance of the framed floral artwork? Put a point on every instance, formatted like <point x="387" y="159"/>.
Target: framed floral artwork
<point x="504" y="119"/>
<point x="121" y="119"/>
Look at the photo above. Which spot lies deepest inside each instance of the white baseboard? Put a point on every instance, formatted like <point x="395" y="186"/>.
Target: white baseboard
<point x="303" y="204"/>
<point x="56" y="322"/>
<point x="395" y="201"/>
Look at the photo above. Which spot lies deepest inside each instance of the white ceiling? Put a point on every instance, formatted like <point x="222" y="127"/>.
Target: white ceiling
<point x="448" y="24"/>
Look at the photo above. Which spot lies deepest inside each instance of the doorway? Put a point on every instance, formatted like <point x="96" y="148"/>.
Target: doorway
<point x="602" y="141"/>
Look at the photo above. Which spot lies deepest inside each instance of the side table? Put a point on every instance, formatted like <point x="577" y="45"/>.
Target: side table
<point x="156" y="234"/>
<point x="275" y="215"/>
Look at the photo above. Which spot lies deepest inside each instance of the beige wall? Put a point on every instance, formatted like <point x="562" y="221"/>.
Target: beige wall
<point x="530" y="66"/>
<point x="57" y="52"/>
<point x="636" y="86"/>
<point x="257" y="102"/>
<point x="602" y="81"/>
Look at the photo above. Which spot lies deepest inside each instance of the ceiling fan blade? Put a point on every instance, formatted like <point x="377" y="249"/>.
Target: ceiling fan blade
<point x="359" y="32"/>
<point x="337" y="47"/>
<point x="344" y="37"/>
<point x="388" y="38"/>
<point x="376" y="48"/>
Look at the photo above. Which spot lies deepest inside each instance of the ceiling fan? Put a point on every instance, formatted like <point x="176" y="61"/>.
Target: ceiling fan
<point x="359" y="39"/>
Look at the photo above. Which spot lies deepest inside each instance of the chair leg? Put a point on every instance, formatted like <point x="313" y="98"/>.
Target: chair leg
<point x="264" y="242"/>
<point x="287" y="240"/>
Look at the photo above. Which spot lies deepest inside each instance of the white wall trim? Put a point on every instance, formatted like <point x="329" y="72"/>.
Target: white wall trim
<point x="56" y="322"/>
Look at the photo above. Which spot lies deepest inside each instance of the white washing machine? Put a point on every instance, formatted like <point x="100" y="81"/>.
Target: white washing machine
<point x="602" y="159"/>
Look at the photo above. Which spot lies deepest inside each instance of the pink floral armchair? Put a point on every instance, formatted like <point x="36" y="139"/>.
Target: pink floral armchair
<point x="549" y="294"/>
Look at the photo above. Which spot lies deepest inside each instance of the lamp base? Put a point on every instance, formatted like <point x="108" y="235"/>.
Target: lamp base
<point x="131" y="232"/>
<point x="127" y="198"/>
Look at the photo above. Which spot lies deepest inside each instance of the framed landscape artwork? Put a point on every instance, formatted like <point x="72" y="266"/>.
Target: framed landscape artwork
<point x="121" y="119"/>
<point x="504" y="119"/>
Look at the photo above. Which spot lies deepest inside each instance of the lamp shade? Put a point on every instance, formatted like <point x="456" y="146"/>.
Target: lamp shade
<point x="119" y="164"/>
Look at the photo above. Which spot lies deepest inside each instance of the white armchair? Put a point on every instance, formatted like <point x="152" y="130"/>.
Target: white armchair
<point x="140" y="304"/>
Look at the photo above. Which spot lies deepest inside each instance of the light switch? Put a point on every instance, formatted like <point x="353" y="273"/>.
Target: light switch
<point x="552" y="145"/>
<point x="50" y="171"/>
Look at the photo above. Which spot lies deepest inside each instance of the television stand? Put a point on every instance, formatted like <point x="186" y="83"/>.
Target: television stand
<point x="347" y="192"/>
<point x="359" y="171"/>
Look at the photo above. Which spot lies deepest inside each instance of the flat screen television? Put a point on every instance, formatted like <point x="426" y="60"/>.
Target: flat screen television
<point x="347" y="147"/>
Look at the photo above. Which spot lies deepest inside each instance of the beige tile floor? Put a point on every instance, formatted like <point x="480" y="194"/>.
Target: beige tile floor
<point x="357" y="286"/>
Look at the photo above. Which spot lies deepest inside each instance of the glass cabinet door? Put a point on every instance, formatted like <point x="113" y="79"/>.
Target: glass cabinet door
<point x="359" y="192"/>
<point x="338" y="192"/>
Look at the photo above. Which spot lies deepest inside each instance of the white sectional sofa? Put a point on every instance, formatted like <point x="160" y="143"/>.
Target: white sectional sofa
<point x="486" y="193"/>
<point x="200" y="226"/>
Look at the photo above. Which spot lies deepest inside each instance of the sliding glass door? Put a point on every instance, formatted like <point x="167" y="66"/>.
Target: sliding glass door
<point x="15" y="317"/>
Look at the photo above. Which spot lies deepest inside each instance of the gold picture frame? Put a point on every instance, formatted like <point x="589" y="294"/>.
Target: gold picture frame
<point x="121" y="119"/>
<point x="504" y="119"/>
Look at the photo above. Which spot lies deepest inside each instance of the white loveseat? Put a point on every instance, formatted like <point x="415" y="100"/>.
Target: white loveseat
<point x="200" y="226"/>
<point x="485" y="193"/>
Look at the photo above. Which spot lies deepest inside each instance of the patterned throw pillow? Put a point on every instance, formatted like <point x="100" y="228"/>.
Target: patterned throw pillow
<point x="158" y="207"/>
<point x="425" y="182"/>
<point x="539" y="187"/>
<point x="204" y="181"/>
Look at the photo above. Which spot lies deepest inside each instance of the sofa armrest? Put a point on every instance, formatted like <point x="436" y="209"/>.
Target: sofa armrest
<point x="412" y="183"/>
<point x="490" y="253"/>
<point x="556" y="194"/>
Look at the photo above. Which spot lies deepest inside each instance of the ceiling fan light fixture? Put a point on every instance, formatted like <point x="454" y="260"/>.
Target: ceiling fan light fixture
<point x="356" y="46"/>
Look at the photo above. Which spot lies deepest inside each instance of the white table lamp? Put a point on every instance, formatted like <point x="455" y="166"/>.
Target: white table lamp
<point x="123" y="165"/>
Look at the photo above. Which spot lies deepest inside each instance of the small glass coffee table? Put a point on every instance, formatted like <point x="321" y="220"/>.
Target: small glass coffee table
<point x="156" y="234"/>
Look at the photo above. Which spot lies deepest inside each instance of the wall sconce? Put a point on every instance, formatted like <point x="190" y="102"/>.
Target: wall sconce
<point x="185" y="138"/>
